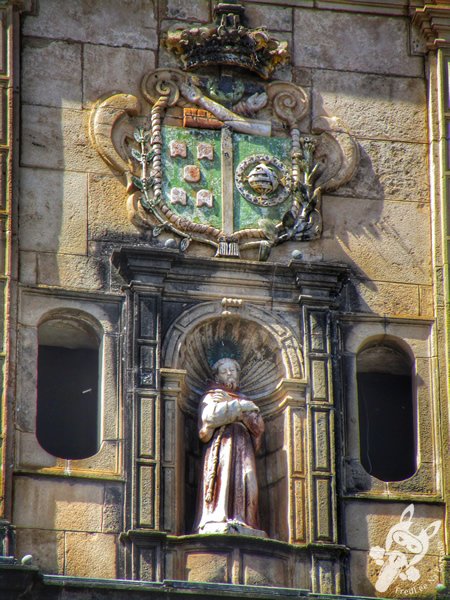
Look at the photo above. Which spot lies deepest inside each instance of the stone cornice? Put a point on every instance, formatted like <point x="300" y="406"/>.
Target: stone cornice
<point x="378" y="7"/>
<point x="381" y="7"/>
<point x="433" y="21"/>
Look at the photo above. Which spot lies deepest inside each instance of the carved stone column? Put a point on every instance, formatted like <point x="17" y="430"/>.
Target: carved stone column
<point x="319" y="290"/>
<point x="9" y="80"/>
<point x="142" y="417"/>
<point x="432" y="21"/>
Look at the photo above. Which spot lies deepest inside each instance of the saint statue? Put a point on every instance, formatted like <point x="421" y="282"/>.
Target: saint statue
<point x="231" y="427"/>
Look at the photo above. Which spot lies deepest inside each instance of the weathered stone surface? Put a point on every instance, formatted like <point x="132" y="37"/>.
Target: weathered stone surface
<point x="72" y="271"/>
<point x="96" y="21"/>
<point x="303" y="77"/>
<point x="91" y="555"/>
<point x="46" y="547"/>
<point x="392" y="108"/>
<point x="113" y="509"/>
<point x="416" y="336"/>
<point x="107" y="209"/>
<point x="262" y="570"/>
<point x="393" y="299"/>
<point x="386" y="241"/>
<point x="391" y="171"/>
<point x="105" y="461"/>
<point x="53" y="211"/>
<point x="368" y="524"/>
<point x="29" y="454"/>
<point x="363" y="574"/>
<point x="127" y="64"/>
<point x="188" y="11"/>
<point x="55" y="138"/>
<point x="426" y="301"/>
<point x="379" y="240"/>
<point x="274" y="436"/>
<point x="423" y="480"/>
<point x="276" y="18"/>
<point x="202" y="566"/>
<point x="46" y="78"/>
<point x="356" y="477"/>
<point x="34" y="306"/>
<point x="28" y="267"/>
<point x="26" y="379"/>
<point x="165" y="58"/>
<point x="59" y="505"/>
<point x="321" y="36"/>
<point x="110" y="418"/>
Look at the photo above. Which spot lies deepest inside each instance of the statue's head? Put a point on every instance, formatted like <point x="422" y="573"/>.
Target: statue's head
<point x="226" y="371"/>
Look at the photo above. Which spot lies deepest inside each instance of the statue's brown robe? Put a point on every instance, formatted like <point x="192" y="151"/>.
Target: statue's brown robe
<point x="228" y="490"/>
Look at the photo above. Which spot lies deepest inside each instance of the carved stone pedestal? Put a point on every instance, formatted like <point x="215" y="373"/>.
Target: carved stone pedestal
<point x="234" y="559"/>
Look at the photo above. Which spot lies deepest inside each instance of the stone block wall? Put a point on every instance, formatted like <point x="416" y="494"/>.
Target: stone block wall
<point x="363" y="64"/>
<point x="358" y="67"/>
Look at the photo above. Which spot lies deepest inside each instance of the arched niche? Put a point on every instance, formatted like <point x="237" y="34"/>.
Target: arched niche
<point x="272" y="376"/>
<point x="387" y="409"/>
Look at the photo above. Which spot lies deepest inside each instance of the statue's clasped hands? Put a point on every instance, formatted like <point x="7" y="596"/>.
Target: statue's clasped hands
<point x="246" y="406"/>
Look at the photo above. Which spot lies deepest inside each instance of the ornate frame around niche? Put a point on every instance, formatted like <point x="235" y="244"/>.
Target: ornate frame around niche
<point x="278" y="387"/>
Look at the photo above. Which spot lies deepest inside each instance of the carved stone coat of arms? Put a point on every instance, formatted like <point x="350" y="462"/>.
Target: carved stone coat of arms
<point x="220" y="154"/>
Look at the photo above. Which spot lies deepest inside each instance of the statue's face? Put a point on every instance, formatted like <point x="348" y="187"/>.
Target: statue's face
<point x="228" y="374"/>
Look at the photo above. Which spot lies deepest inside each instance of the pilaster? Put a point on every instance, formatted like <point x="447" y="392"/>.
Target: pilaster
<point x="9" y="78"/>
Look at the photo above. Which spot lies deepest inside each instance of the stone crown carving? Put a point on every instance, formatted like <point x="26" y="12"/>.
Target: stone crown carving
<point x="228" y="42"/>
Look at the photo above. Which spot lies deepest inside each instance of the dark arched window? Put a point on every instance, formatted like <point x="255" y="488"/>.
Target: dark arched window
<point x="386" y="412"/>
<point x="68" y="388"/>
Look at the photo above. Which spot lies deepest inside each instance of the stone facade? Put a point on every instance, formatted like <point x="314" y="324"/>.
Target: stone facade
<point x="76" y="250"/>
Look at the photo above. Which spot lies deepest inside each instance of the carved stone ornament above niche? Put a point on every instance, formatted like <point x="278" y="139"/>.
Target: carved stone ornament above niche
<point x="223" y="157"/>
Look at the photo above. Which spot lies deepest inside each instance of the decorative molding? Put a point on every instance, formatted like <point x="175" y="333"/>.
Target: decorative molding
<point x="269" y="349"/>
<point x="433" y="22"/>
<point x="386" y="7"/>
<point x="104" y="133"/>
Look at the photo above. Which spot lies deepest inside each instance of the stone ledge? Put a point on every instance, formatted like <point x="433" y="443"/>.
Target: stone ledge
<point x="169" y="588"/>
<point x="380" y="7"/>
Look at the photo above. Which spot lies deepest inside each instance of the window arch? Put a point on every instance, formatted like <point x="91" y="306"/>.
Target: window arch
<point x="67" y="422"/>
<point x="386" y="411"/>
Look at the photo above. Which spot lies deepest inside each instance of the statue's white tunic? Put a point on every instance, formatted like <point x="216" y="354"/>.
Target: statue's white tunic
<point x="228" y="488"/>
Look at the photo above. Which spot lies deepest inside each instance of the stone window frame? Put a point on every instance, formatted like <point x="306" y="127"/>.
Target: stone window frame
<point x="415" y="337"/>
<point x="103" y="314"/>
<point x="78" y="364"/>
<point x="373" y="360"/>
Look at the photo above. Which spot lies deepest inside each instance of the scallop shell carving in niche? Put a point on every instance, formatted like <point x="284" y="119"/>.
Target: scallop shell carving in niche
<point x="256" y="351"/>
